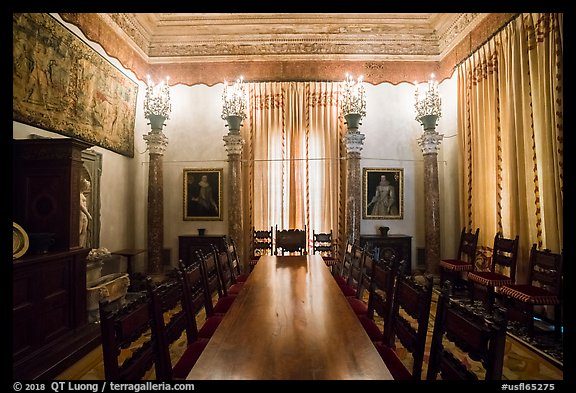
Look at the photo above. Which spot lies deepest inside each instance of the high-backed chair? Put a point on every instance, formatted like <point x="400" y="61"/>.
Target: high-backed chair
<point x="381" y="288"/>
<point x="128" y="325"/>
<point x="227" y="277"/>
<point x="291" y="241"/>
<point x="407" y="325"/>
<point x="358" y="302"/>
<point x="462" y="335"/>
<point x="262" y="244"/>
<point x="220" y="301"/>
<point x="502" y="271"/>
<point x="170" y="320"/>
<point x="197" y="297"/>
<point x="341" y="270"/>
<point x="323" y="244"/>
<point x="235" y="261"/>
<point x="452" y="269"/>
<point x="353" y="285"/>
<point x="544" y="287"/>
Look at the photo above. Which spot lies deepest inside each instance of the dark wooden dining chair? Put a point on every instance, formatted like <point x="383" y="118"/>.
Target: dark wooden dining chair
<point x="464" y="261"/>
<point x="544" y="288"/>
<point x="359" y="302"/>
<point x="483" y="284"/>
<point x="262" y="244"/>
<point x="381" y="288"/>
<point x="220" y="302"/>
<point x="227" y="277"/>
<point x="235" y="261"/>
<point x="353" y="285"/>
<point x="463" y="336"/>
<point x="171" y="319"/>
<point x="323" y="244"/>
<point x="291" y="241"/>
<point x="129" y="349"/>
<point x="198" y="297"/>
<point x="407" y="325"/>
<point x="341" y="270"/>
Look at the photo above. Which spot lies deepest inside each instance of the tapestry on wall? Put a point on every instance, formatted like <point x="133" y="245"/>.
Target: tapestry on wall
<point x="62" y="85"/>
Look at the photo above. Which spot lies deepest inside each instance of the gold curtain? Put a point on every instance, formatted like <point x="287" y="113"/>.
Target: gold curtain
<point x="510" y="116"/>
<point x="292" y="157"/>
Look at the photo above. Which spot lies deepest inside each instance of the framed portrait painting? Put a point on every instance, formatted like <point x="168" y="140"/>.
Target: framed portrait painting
<point x="202" y="194"/>
<point x="382" y="193"/>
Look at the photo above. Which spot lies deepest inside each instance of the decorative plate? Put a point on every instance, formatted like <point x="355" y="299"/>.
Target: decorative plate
<point x="20" y="242"/>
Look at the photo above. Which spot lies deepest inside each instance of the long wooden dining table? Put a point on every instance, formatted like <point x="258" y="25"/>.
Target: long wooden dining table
<point x="290" y="321"/>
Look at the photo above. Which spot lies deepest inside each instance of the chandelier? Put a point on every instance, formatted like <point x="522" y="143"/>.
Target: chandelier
<point x="234" y="100"/>
<point x="354" y="100"/>
<point x="428" y="103"/>
<point x="157" y="99"/>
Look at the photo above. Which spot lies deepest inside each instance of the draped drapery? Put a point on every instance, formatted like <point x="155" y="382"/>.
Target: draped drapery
<point x="510" y="116"/>
<point x="292" y="169"/>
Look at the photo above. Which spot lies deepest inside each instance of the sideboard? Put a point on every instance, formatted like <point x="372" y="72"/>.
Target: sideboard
<point x="394" y="247"/>
<point x="189" y="244"/>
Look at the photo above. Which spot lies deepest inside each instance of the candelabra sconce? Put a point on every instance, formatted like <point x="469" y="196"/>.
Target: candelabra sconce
<point x="157" y="104"/>
<point x="234" y="105"/>
<point x="428" y="107"/>
<point x="353" y="102"/>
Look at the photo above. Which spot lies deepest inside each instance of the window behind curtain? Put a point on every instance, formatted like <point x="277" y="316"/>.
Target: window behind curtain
<point x="293" y="172"/>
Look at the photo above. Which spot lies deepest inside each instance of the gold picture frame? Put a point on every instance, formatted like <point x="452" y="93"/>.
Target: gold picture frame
<point x="383" y="193"/>
<point x="202" y="194"/>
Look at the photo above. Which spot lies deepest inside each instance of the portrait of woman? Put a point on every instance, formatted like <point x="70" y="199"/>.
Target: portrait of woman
<point x="383" y="193"/>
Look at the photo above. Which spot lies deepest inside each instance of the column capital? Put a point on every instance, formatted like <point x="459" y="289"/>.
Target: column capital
<point x="354" y="141"/>
<point x="430" y="141"/>
<point x="233" y="143"/>
<point x="157" y="142"/>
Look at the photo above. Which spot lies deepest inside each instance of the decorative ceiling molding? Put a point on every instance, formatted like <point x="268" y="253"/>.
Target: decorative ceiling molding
<point x="191" y="47"/>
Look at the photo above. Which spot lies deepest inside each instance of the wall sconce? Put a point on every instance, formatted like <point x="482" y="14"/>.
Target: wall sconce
<point x="157" y="103"/>
<point x="234" y="105"/>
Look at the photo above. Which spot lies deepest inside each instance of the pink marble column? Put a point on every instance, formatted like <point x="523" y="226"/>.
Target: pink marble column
<point x="354" y="141"/>
<point x="157" y="143"/>
<point x="233" y="143"/>
<point x="430" y="144"/>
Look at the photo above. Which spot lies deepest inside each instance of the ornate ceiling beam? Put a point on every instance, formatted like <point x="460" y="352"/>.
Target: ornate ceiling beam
<point x="301" y="60"/>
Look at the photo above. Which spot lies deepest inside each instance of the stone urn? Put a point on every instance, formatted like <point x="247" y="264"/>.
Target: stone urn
<point x="111" y="287"/>
<point x="384" y="231"/>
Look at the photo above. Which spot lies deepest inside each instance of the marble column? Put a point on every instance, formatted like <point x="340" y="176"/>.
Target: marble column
<point x="430" y="144"/>
<point x="157" y="143"/>
<point x="233" y="143"/>
<point x="353" y="141"/>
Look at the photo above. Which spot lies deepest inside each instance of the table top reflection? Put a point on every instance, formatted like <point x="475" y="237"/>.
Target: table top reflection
<point x="290" y="321"/>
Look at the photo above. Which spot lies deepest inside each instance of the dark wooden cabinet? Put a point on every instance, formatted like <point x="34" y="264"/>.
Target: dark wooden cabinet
<point x="50" y="327"/>
<point x="46" y="188"/>
<point x="49" y="317"/>
<point x="189" y="244"/>
<point x="394" y="247"/>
